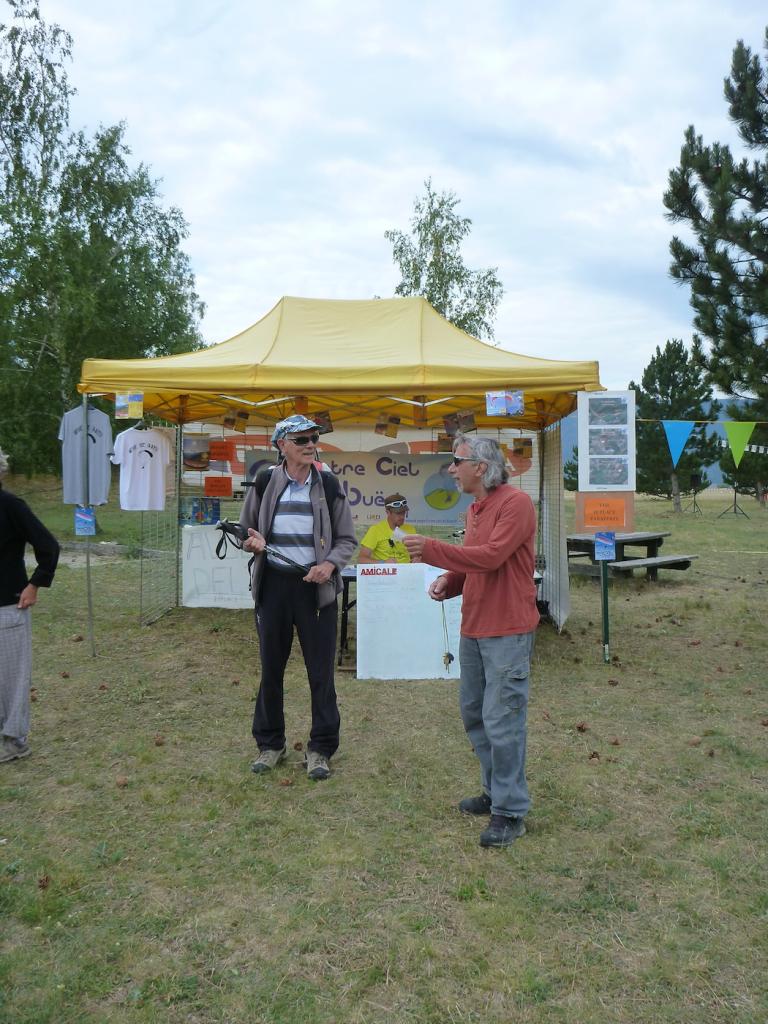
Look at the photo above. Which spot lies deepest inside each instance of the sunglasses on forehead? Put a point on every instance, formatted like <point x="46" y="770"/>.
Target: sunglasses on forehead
<point x="397" y="504"/>
<point x="302" y="442"/>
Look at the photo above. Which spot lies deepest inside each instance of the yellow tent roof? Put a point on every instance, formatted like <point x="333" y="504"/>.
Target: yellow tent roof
<point x="358" y="360"/>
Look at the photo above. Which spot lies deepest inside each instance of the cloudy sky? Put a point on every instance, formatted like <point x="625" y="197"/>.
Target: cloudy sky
<point x="293" y="135"/>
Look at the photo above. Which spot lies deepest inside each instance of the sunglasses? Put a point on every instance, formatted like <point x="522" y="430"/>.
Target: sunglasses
<point x="302" y="442"/>
<point x="458" y="459"/>
<point x="397" y="504"/>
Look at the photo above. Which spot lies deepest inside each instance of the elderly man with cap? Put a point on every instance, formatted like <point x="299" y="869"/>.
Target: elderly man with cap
<point x="383" y="542"/>
<point x="19" y="527"/>
<point x="301" y="513"/>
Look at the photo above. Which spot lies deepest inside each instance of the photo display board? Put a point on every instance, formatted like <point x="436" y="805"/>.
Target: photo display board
<point x="606" y="440"/>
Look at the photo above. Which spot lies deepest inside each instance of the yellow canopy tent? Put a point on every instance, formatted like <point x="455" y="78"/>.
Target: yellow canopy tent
<point x="359" y="360"/>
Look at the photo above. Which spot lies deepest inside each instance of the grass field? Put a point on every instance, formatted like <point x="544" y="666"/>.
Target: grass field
<point x="147" y="876"/>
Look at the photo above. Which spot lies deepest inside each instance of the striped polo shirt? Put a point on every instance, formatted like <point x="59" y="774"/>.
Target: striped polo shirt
<point x="292" y="531"/>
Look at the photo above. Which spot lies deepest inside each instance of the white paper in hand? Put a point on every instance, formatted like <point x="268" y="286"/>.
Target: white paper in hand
<point x="431" y="572"/>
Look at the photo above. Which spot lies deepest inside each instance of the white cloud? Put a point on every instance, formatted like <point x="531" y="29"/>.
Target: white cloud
<point x="293" y="136"/>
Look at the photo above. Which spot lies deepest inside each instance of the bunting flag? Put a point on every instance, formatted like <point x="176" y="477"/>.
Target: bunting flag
<point x="738" y="435"/>
<point x="678" y="432"/>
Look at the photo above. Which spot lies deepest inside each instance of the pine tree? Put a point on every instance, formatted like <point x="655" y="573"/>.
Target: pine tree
<point x="571" y="471"/>
<point x="724" y="201"/>
<point x="673" y="388"/>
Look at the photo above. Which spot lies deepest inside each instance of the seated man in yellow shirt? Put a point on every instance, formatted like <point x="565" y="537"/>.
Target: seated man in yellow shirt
<point x="381" y="543"/>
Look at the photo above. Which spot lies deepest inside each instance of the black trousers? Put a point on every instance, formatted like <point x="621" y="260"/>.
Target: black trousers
<point x="286" y="601"/>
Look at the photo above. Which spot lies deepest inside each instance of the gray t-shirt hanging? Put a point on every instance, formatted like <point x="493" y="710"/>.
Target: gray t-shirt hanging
<point x="99" y="450"/>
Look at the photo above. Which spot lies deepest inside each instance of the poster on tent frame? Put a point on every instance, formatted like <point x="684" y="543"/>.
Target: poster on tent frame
<point x="606" y="440"/>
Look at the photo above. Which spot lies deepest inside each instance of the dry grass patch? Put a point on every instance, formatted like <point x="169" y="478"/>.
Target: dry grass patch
<point x="146" y="875"/>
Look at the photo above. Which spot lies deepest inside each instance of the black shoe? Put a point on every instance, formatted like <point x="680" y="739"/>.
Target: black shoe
<point x="502" y="831"/>
<point x="475" y="804"/>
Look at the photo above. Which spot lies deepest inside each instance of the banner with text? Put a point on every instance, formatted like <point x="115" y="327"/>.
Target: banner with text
<point x="368" y="477"/>
<point x="433" y="497"/>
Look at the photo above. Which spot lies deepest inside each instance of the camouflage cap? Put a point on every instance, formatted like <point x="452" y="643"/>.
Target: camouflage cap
<point x="292" y="425"/>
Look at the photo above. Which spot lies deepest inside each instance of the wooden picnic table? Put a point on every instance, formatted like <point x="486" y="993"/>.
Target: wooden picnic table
<point x="584" y="543"/>
<point x="582" y="546"/>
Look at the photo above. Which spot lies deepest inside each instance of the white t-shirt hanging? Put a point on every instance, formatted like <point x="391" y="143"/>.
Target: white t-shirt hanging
<point x="142" y="456"/>
<point x="99" y="450"/>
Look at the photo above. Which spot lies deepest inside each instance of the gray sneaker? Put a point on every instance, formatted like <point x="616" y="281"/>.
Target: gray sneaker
<point x="317" y="765"/>
<point x="12" y="750"/>
<point x="267" y="760"/>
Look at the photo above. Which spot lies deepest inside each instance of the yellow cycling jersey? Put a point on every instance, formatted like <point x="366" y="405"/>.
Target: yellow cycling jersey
<point x="377" y="539"/>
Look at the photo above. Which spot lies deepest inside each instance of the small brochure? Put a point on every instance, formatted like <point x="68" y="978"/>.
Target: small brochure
<point x="504" y="403"/>
<point x="388" y="426"/>
<point x="323" y="421"/>
<point x="85" y="521"/>
<point x="129" y="406"/>
<point x="196" y="452"/>
<point x="237" y="420"/>
<point x="199" y="511"/>
<point x="605" y="546"/>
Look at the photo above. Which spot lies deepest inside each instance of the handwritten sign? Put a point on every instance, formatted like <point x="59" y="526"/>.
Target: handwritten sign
<point x="221" y="449"/>
<point x="609" y="511"/>
<point x="218" y="487"/>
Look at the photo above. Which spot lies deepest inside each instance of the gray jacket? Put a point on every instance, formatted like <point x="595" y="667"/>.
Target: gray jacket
<point x="333" y="529"/>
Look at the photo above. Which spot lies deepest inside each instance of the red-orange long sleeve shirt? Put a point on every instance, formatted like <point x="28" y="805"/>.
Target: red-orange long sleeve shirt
<point x="494" y="568"/>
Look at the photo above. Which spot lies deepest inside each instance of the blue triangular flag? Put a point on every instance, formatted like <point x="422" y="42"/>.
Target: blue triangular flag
<point x="678" y="432"/>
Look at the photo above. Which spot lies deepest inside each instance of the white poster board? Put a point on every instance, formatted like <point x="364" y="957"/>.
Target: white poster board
<point x="210" y="582"/>
<point x="606" y="421"/>
<point x="400" y="633"/>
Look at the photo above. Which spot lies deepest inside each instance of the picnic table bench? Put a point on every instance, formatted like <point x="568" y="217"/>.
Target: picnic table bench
<point x="651" y="565"/>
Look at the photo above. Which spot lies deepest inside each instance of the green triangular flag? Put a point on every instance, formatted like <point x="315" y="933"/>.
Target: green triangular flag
<point x="738" y="435"/>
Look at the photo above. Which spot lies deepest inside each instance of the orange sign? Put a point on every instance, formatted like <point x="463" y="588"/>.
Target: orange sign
<point x="221" y="450"/>
<point x="607" y="510"/>
<point x="218" y="487"/>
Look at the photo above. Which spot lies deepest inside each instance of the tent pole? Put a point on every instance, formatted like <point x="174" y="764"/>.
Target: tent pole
<point x="179" y="463"/>
<point x="86" y="495"/>
<point x="541" y="441"/>
<point x="183" y="400"/>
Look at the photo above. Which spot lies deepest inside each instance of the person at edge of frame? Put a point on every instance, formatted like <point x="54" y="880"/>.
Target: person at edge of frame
<point x="493" y="571"/>
<point x="379" y="543"/>
<point x="19" y="527"/>
<point x="293" y="517"/>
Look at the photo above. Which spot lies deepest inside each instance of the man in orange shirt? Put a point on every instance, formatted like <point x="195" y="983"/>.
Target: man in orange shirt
<point x="494" y="573"/>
